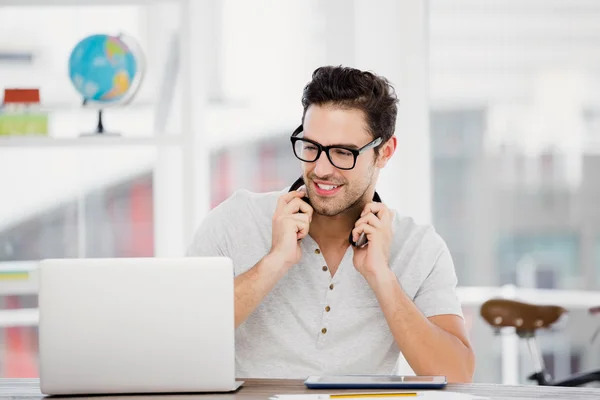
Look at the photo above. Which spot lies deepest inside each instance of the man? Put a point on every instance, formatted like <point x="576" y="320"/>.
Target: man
<point x="307" y="302"/>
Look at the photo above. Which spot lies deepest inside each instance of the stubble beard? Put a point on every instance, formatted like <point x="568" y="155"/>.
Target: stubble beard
<point x="354" y="196"/>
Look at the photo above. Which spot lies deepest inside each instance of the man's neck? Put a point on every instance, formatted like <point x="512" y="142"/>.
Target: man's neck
<point x="333" y="232"/>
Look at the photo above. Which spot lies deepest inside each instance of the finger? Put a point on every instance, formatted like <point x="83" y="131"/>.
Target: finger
<point x="303" y="218"/>
<point x="287" y="197"/>
<point x="370" y="219"/>
<point x="293" y="219"/>
<point x="301" y="224"/>
<point x="303" y="229"/>
<point x="378" y="209"/>
<point x="297" y="205"/>
<point x="374" y="208"/>
<point x="369" y="230"/>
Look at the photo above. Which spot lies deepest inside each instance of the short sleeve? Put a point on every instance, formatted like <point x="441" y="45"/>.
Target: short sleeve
<point x="437" y="295"/>
<point x="210" y="238"/>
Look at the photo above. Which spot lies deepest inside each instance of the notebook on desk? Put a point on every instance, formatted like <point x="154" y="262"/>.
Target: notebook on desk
<point x="137" y="325"/>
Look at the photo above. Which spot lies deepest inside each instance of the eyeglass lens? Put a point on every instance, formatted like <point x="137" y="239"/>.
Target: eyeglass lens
<point x="308" y="152"/>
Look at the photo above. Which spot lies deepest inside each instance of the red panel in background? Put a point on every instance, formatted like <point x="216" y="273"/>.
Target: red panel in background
<point x="268" y="178"/>
<point x="223" y="180"/>
<point x="142" y="220"/>
<point x="131" y="214"/>
<point x="20" y="360"/>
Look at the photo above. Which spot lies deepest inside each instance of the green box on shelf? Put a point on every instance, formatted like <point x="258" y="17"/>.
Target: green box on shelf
<point x="30" y="123"/>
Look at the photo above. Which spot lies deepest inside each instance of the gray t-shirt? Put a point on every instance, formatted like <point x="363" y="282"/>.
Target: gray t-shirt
<point x="312" y="323"/>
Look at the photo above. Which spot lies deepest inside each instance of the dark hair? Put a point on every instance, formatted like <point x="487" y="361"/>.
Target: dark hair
<point x="351" y="88"/>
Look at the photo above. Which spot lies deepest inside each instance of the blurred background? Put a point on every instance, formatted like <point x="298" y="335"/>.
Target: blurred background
<point x="498" y="130"/>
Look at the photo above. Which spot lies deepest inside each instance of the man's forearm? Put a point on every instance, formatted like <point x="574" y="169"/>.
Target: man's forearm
<point x="252" y="286"/>
<point x="429" y="349"/>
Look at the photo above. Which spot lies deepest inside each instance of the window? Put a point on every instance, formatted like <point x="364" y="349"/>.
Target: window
<point x="511" y="171"/>
<point x="542" y="260"/>
<point x="515" y="154"/>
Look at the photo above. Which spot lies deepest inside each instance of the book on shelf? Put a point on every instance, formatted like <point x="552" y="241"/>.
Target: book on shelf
<point x="21" y="115"/>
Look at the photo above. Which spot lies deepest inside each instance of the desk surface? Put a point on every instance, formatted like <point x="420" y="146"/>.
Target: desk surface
<point x="255" y="389"/>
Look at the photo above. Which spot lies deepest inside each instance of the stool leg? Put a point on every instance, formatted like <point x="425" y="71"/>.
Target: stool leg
<point x="541" y="375"/>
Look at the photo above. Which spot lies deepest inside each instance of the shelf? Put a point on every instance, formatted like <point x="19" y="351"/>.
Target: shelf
<point x="18" y="278"/>
<point x="19" y="317"/>
<point x="83" y="2"/>
<point x="110" y="141"/>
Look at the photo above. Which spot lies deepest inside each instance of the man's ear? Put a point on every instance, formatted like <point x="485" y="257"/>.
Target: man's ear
<point x="386" y="152"/>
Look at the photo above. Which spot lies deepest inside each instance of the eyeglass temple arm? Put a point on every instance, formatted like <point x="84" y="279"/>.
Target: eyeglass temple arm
<point x="298" y="130"/>
<point x="367" y="146"/>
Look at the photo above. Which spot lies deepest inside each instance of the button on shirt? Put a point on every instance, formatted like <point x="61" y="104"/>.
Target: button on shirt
<point x="312" y="323"/>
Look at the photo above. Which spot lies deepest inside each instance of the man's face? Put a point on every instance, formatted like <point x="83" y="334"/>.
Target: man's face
<point x="329" y="126"/>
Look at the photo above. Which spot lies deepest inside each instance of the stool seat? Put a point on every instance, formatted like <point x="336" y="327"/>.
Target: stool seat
<point x="526" y="318"/>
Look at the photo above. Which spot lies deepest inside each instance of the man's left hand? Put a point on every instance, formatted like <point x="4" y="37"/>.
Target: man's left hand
<point x="376" y="223"/>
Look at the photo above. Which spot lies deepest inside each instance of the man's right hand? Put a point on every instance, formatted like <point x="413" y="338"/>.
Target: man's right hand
<point x="289" y="226"/>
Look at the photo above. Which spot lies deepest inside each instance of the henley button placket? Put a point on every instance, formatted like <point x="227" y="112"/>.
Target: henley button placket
<point x="326" y="316"/>
<point x="325" y="311"/>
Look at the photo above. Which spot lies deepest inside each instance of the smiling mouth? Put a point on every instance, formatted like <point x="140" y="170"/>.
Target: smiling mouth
<point x="323" y="189"/>
<point x="326" y="187"/>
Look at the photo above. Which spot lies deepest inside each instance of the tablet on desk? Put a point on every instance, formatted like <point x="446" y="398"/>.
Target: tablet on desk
<point x="375" y="382"/>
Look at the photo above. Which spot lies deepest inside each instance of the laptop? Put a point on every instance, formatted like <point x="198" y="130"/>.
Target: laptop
<point x="136" y="325"/>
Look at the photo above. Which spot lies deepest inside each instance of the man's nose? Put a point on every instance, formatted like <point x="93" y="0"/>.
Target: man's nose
<point x="323" y="167"/>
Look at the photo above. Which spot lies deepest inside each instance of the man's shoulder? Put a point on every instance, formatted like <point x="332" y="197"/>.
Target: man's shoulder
<point x="405" y="226"/>
<point x="411" y="239"/>
<point x="240" y="216"/>
<point x="244" y="202"/>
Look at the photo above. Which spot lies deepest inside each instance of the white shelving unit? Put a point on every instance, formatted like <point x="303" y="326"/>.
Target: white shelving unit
<point x="24" y="3"/>
<point x="180" y="177"/>
<point x="108" y="141"/>
<point x="19" y="318"/>
<point x="180" y="194"/>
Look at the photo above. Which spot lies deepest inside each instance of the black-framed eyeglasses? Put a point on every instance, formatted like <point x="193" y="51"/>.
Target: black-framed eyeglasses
<point x="339" y="156"/>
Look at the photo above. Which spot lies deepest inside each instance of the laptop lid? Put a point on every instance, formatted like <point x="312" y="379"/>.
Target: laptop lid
<point x="136" y="325"/>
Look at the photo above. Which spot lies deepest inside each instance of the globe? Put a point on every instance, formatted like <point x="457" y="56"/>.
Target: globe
<point x="106" y="71"/>
<point x="103" y="69"/>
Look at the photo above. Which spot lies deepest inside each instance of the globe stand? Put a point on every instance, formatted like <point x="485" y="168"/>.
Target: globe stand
<point x="100" y="128"/>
